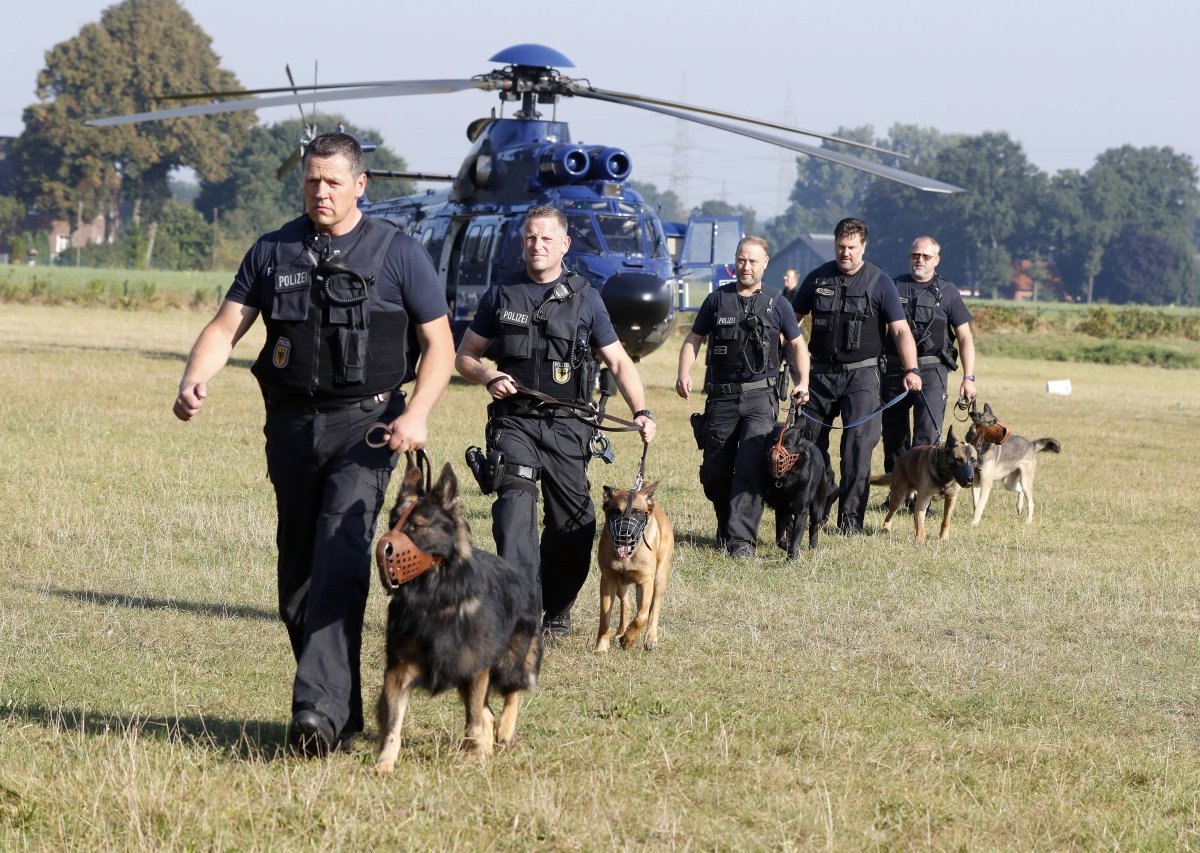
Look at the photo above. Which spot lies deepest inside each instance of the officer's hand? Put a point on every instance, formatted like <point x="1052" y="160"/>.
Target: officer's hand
<point x="501" y="385"/>
<point x="967" y="389"/>
<point x="800" y="394"/>
<point x="190" y="400"/>
<point x="407" y="432"/>
<point x="683" y="387"/>
<point x="648" y="428"/>
<point x="912" y="381"/>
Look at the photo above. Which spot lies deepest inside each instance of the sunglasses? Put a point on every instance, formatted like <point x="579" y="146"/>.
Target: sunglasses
<point x="917" y="256"/>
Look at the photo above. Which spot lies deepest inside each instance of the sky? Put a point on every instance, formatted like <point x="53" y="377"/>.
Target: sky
<point x="1067" y="79"/>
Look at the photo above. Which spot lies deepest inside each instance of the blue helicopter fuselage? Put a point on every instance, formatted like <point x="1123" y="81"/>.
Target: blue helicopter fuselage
<point x="473" y="230"/>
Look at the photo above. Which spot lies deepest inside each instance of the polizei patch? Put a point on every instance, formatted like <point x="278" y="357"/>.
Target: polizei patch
<point x="727" y="321"/>
<point x="515" y="318"/>
<point x="825" y="291"/>
<point x="292" y="281"/>
<point x="283" y="352"/>
<point x="562" y="372"/>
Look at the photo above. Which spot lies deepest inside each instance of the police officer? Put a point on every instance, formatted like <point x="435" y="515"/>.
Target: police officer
<point x="339" y="295"/>
<point x="938" y="319"/>
<point x="541" y="326"/>
<point x="852" y="303"/>
<point x="744" y="326"/>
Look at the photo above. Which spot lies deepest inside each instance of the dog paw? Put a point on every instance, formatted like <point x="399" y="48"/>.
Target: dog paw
<point x="384" y="768"/>
<point x="601" y="646"/>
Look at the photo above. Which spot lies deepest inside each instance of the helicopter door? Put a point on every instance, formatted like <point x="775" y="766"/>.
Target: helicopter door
<point x="470" y="269"/>
<point x="706" y="262"/>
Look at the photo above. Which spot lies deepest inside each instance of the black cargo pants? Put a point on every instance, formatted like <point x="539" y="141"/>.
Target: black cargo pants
<point x="898" y="436"/>
<point x="734" y="469"/>
<point x="849" y="396"/>
<point x="329" y="488"/>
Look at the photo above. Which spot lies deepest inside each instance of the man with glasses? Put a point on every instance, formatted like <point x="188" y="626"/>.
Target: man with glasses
<point x="938" y="319"/>
<point x="745" y="327"/>
<point x="854" y="306"/>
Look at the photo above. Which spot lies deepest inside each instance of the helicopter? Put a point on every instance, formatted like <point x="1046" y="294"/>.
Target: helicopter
<point x="619" y="243"/>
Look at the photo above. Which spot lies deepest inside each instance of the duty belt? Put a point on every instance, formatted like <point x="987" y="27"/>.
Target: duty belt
<point x="730" y="388"/>
<point x="922" y="361"/>
<point x="828" y="367"/>
<point x="326" y="408"/>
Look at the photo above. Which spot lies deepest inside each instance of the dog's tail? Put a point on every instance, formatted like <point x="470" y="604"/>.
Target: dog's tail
<point x="883" y="479"/>
<point x="1050" y="444"/>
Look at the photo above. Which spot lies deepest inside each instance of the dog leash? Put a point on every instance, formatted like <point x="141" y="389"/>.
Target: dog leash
<point x="580" y="411"/>
<point x="932" y="416"/>
<point x="861" y="420"/>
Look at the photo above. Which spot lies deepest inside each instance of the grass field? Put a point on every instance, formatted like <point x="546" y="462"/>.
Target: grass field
<point x="1018" y="687"/>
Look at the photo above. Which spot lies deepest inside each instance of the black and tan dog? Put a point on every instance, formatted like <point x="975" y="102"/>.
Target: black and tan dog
<point x="925" y="472"/>
<point x="458" y="617"/>
<point x="636" y="546"/>
<point x="1004" y="456"/>
<point x="799" y="487"/>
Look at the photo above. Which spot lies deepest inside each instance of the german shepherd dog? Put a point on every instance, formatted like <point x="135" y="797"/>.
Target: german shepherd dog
<point x="799" y="487"/>
<point x="1006" y="456"/>
<point x="638" y="554"/>
<point x="926" y="472"/>
<point x="458" y="617"/>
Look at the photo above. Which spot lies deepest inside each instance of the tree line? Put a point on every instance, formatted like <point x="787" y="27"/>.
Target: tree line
<point x="1123" y="231"/>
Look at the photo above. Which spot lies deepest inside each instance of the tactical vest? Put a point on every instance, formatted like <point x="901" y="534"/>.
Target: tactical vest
<point x="923" y="307"/>
<point x="743" y="345"/>
<point x="544" y="347"/>
<point x="845" y="326"/>
<point x="329" y="333"/>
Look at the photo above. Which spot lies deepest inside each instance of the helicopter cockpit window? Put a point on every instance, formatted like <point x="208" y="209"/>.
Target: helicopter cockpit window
<point x="656" y="238"/>
<point x="583" y="234"/>
<point x="621" y="234"/>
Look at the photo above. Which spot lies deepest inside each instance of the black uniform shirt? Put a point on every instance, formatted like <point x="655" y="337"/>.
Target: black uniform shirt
<point x="886" y="300"/>
<point x="407" y="278"/>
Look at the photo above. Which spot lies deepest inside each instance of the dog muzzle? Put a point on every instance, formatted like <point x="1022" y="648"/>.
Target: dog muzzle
<point x="964" y="475"/>
<point x="627" y="530"/>
<point x="996" y="433"/>
<point x="780" y="460"/>
<point x="398" y="558"/>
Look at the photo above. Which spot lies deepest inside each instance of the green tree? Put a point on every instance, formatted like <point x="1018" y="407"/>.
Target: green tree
<point x="983" y="229"/>
<point x="252" y="200"/>
<point x="666" y="202"/>
<point x="139" y="51"/>
<point x="1153" y="188"/>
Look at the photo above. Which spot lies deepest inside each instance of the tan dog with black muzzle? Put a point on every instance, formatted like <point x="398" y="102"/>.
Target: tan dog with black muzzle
<point x="925" y="472"/>
<point x="635" y="550"/>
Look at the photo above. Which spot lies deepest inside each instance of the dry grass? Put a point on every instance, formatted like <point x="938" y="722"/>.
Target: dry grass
<point x="1016" y="687"/>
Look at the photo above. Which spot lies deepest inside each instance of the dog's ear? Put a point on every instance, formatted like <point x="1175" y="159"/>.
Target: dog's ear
<point x="951" y="441"/>
<point x="987" y="409"/>
<point x="608" y="493"/>
<point x="648" y="491"/>
<point x="445" y="490"/>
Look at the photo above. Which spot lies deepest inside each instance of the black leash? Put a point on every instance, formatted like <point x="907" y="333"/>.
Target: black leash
<point x="967" y="405"/>
<point x="861" y="420"/>
<point x="581" y="411"/>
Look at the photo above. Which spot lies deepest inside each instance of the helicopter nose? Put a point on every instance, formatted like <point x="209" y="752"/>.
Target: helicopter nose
<point x="642" y="307"/>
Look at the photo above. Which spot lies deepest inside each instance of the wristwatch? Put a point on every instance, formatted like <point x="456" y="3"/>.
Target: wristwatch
<point x="970" y="377"/>
<point x="643" y="413"/>
<point x="912" y="370"/>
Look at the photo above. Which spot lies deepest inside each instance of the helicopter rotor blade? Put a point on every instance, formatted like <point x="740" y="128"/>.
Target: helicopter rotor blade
<point x="748" y="119"/>
<point x="412" y="176"/>
<point x="878" y="170"/>
<point x="287" y="165"/>
<point x="409" y="87"/>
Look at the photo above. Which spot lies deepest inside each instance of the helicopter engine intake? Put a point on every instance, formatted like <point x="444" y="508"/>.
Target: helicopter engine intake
<point x="563" y="164"/>
<point x="608" y="164"/>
